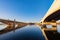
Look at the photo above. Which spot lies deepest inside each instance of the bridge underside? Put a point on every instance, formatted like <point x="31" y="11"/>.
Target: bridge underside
<point x="50" y="34"/>
<point x="54" y="16"/>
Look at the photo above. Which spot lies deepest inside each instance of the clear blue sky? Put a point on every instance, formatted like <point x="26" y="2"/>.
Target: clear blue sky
<point x="24" y="10"/>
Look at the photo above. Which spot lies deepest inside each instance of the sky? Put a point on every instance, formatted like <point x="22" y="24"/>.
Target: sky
<point x="24" y="10"/>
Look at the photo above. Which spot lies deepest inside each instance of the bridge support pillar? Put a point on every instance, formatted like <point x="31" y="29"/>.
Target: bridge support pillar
<point x="54" y="25"/>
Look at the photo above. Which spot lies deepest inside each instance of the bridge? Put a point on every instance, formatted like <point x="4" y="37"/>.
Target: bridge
<point x="51" y="18"/>
<point x="11" y="25"/>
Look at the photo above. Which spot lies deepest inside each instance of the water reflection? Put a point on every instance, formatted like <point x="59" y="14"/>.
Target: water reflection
<point x="58" y="28"/>
<point x="2" y="26"/>
<point x="26" y="33"/>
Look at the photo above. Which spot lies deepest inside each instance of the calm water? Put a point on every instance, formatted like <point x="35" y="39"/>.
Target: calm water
<point x="26" y="33"/>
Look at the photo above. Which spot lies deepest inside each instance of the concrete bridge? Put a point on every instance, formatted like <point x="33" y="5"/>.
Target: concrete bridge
<point x="51" y="18"/>
<point x="53" y="13"/>
<point x="11" y="25"/>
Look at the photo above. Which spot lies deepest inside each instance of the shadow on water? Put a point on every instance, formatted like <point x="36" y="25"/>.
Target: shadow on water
<point x="26" y="33"/>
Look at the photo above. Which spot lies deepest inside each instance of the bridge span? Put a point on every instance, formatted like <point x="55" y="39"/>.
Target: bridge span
<point x="11" y="25"/>
<point x="52" y="15"/>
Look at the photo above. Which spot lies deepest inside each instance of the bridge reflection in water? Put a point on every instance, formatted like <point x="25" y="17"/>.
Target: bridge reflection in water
<point x="9" y="28"/>
<point x="51" y="35"/>
<point x="12" y="25"/>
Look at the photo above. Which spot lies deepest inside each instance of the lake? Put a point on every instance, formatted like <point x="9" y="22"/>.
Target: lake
<point x="31" y="32"/>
